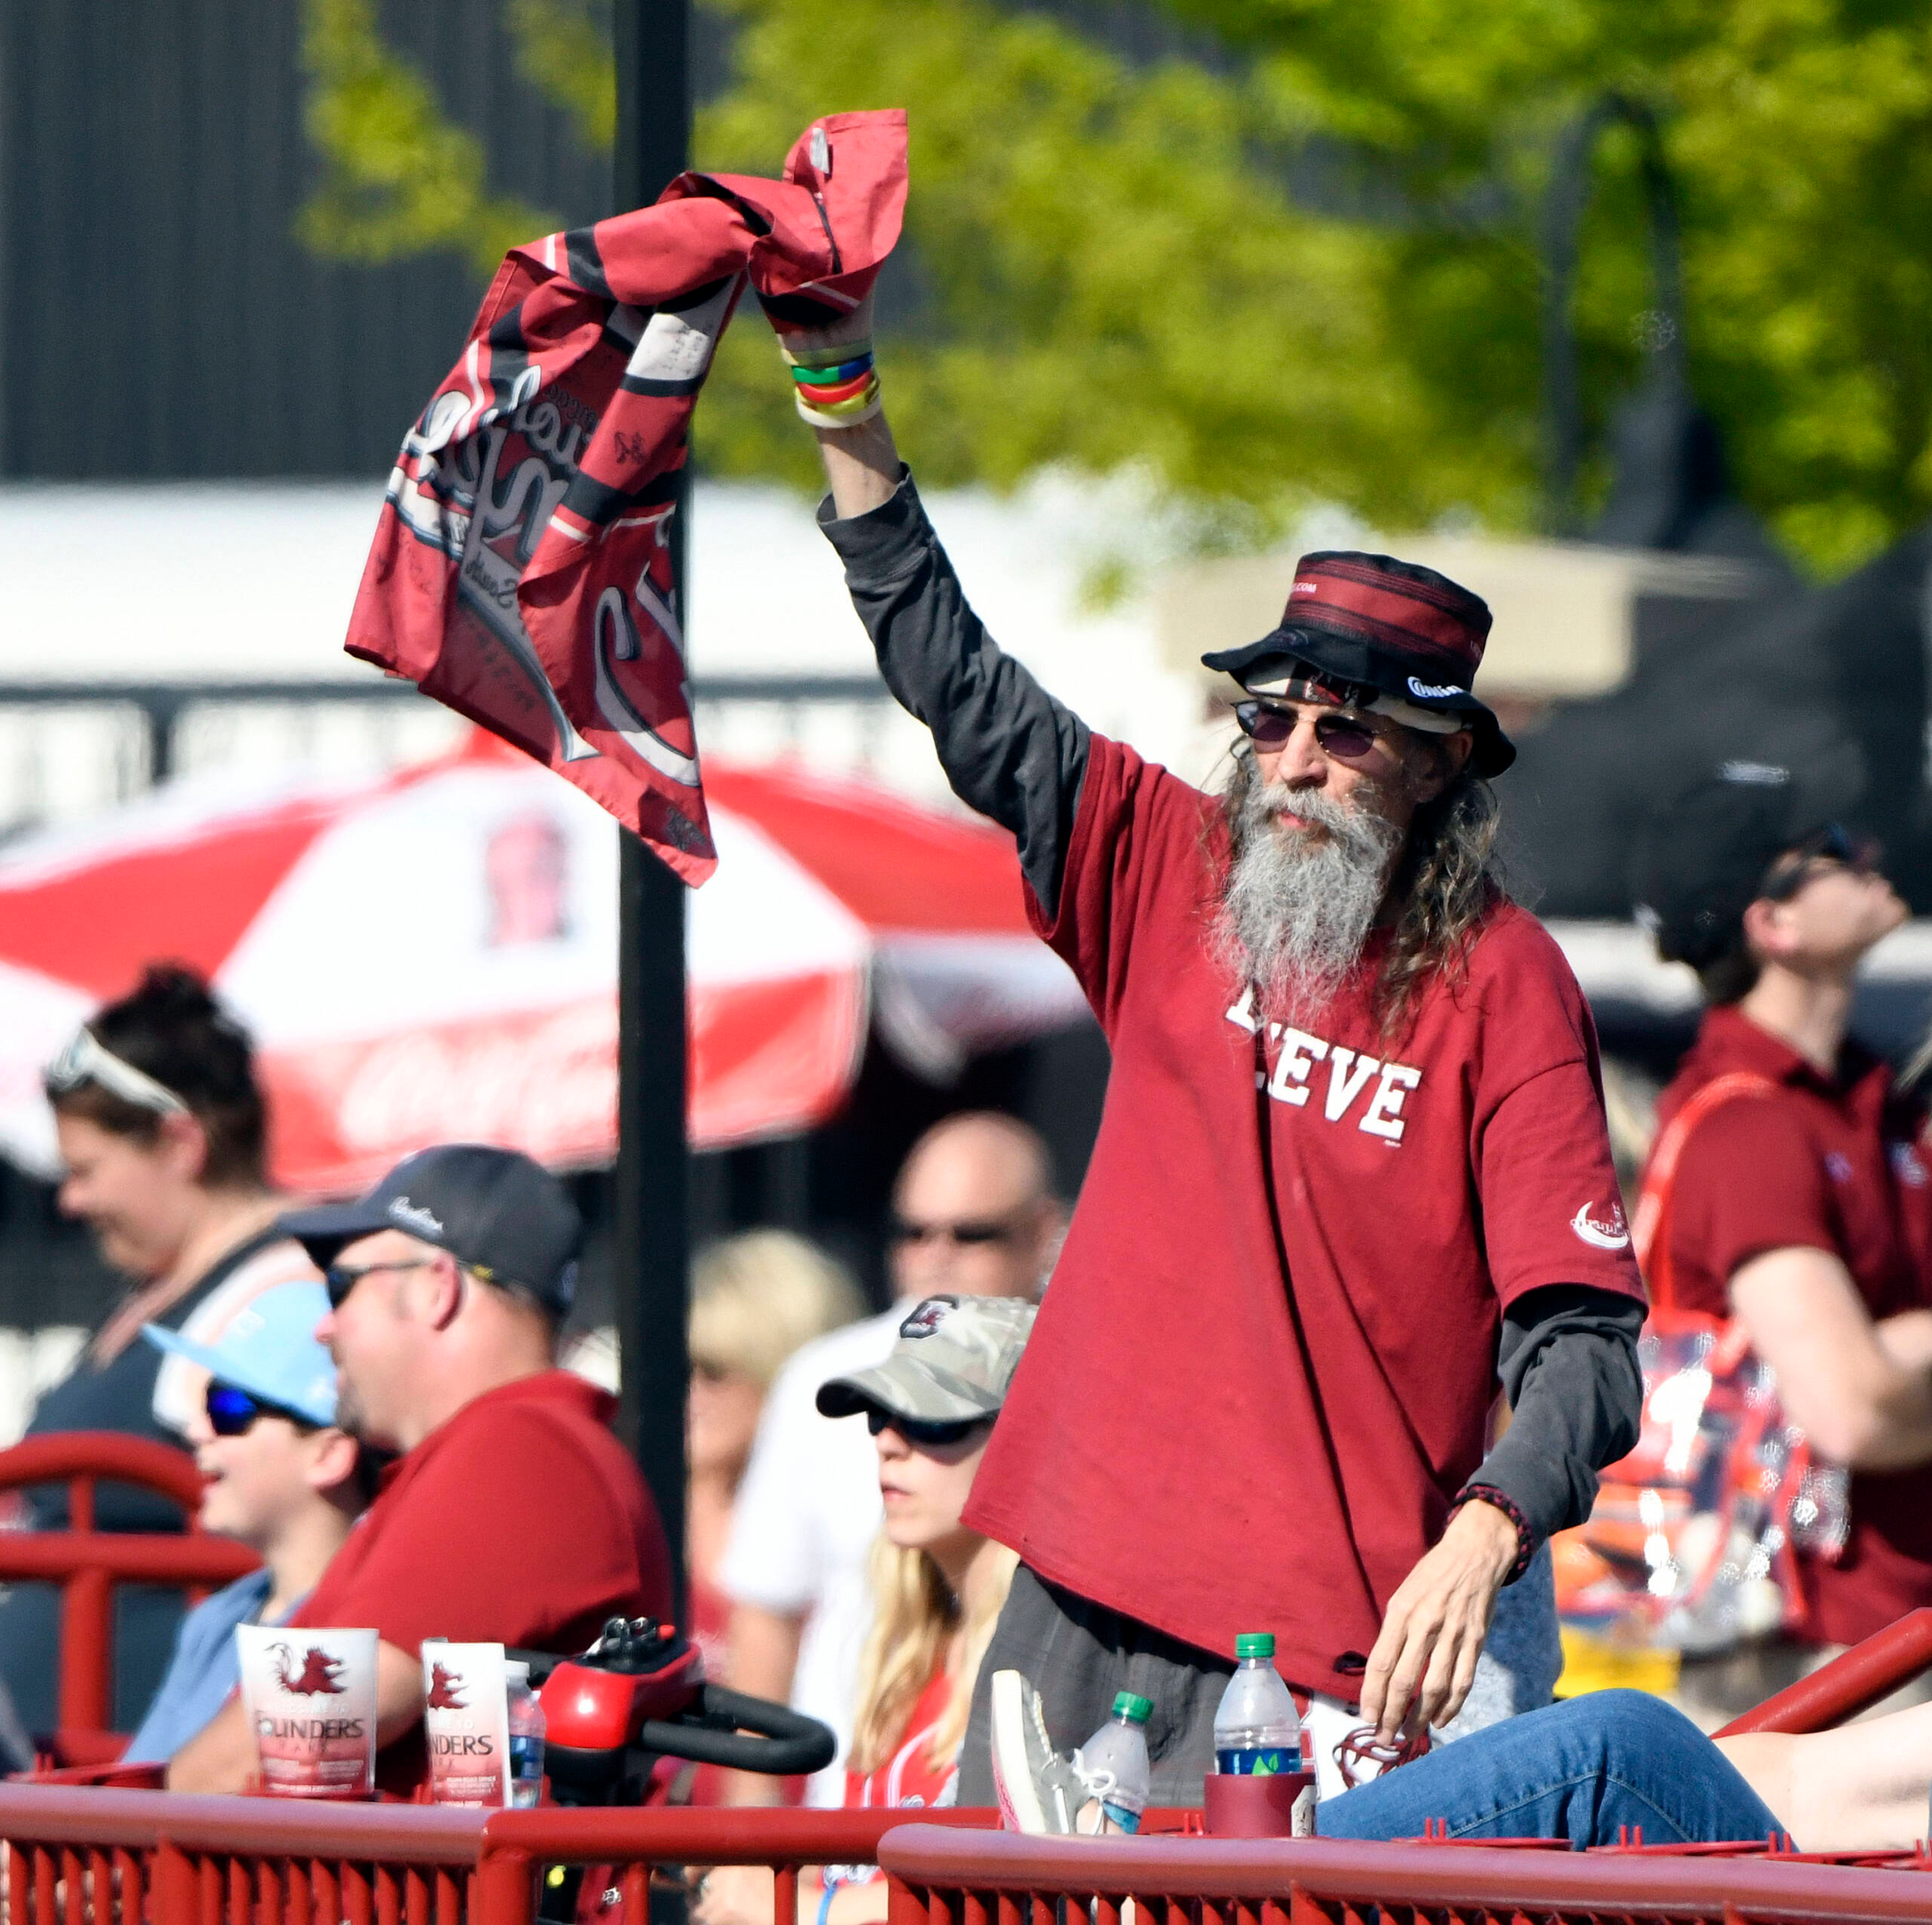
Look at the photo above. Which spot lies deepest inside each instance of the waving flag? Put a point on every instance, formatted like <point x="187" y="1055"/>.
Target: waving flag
<point x="521" y="573"/>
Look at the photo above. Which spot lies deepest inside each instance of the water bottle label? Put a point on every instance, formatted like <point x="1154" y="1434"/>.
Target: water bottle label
<point x="526" y="1757"/>
<point x="1121" y="1816"/>
<point x="1259" y="1761"/>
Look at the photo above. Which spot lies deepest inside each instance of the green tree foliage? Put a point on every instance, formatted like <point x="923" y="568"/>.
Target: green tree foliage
<point x="1309" y="274"/>
<point x="1109" y="280"/>
<point x="1799" y="133"/>
<point x="397" y="176"/>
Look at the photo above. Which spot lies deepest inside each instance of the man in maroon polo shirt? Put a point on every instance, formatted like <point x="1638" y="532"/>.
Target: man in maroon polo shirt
<point x="1798" y="1197"/>
<point x="512" y="1514"/>
<point x="1353" y="1158"/>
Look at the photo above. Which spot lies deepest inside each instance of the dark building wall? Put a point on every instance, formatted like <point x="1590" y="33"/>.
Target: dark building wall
<point x="158" y="317"/>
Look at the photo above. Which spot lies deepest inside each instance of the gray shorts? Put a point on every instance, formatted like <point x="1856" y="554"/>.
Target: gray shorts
<point x="1078" y="1655"/>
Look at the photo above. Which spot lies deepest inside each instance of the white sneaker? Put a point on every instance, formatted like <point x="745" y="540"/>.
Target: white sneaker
<point x="1038" y="1790"/>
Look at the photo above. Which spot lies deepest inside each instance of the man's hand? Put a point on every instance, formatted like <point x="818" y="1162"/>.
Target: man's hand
<point x="1425" y="1659"/>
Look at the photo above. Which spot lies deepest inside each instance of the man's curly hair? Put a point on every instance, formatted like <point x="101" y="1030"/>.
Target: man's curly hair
<point x="1449" y="879"/>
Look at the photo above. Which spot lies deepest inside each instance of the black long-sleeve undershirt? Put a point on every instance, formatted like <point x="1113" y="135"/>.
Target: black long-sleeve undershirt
<point x="1568" y="1356"/>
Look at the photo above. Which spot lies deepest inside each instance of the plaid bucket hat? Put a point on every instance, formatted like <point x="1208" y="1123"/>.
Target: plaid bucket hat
<point x="1366" y="631"/>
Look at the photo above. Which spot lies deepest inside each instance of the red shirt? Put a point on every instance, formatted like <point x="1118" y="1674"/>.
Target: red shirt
<point x="1830" y="1163"/>
<point x="910" y="1777"/>
<point x="1202" y="1438"/>
<point x="521" y="1520"/>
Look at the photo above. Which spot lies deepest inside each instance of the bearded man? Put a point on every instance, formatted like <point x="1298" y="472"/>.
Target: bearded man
<point x="1353" y="1164"/>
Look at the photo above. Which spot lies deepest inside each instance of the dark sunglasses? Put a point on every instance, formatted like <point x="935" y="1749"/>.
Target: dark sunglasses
<point x="929" y="1435"/>
<point x="970" y="1234"/>
<point x="231" y="1411"/>
<point x="1834" y="843"/>
<point x="1342" y="736"/>
<point x="338" y="1279"/>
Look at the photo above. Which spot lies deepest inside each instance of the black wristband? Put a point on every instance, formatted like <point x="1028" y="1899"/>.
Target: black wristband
<point x="1526" y="1538"/>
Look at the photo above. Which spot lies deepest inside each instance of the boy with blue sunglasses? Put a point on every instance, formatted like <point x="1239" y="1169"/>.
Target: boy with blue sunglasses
<point x="279" y="1478"/>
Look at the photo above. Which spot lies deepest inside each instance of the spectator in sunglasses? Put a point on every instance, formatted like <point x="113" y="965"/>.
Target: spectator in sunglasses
<point x="280" y="1477"/>
<point x="1354" y="1174"/>
<point x="512" y="1514"/>
<point x="1794" y="1194"/>
<point x="973" y="1214"/>
<point x="161" y="1127"/>
<point x="938" y="1584"/>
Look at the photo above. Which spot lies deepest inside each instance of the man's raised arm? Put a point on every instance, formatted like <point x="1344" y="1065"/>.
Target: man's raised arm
<point x="1009" y="749"/>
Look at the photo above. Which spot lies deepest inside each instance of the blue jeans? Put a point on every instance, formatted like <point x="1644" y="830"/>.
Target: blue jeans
<point x="1575" y="1771"/>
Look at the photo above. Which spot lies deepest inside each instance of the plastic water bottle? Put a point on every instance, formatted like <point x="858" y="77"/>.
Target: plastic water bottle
<point x="1257" y="1728"/>
<point x="1114" y="1761"/>
<point x="526" y="1737"/>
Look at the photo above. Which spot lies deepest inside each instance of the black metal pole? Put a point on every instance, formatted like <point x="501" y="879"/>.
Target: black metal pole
<point x="651" y="1257"/>
<point x="1565" y="204"/>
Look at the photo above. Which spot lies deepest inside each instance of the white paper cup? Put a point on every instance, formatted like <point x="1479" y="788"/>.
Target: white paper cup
<point x="311" y="1701"/>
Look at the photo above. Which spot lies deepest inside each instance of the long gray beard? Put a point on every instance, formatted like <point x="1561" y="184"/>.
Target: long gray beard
<point x="1294" y="915"/>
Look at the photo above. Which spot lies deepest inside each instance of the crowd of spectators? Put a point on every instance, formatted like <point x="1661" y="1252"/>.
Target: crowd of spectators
<point x="372" y="1394"/>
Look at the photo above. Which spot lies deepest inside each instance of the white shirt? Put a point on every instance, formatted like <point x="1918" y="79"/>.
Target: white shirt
<point x="803" y="1526"/>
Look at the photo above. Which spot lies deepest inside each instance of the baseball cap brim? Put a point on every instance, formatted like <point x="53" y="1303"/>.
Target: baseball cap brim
<point x="325" y="1232"/>
<point x="906" y="1387"/>
<point x="225" y="1369"/>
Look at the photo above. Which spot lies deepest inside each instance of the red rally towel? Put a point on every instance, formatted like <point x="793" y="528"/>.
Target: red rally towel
<point x="521" y="573"/>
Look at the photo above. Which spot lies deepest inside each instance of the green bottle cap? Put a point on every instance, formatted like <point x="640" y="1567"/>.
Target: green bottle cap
<point x="1255" y="1644"/>
<point x="1131" y="1707"/>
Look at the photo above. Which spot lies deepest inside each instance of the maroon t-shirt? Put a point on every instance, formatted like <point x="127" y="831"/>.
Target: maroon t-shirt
<point x="1197" y="1437"/>
<point x="521" y="1520"/>
<point x="1830" y="1163"/>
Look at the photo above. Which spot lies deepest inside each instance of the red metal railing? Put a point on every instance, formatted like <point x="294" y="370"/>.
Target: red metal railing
<point x="86" y="1564"/>
<point x="1847" y="1685"/>
<point x="107" y="1857"/>
<point x="940" y="1877"/>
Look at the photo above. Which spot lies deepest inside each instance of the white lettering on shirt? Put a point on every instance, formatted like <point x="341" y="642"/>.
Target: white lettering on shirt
<point x="1384" y="1115"/>
<point x="1300" y="1052"/>
<point x="1348" y="1072"/>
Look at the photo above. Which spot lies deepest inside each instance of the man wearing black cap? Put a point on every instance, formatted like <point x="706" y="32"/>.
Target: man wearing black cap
<point x="1353" y="1160"/>
<point x="511" y="1515"/>
<point x="1788" y="1184"/>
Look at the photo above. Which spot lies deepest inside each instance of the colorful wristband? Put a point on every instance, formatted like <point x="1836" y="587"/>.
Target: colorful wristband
<point x="849" y="413"/>
<point x="832" y="357"/>
<point x="831" y="377"/>
<point x="846" y="412"/>
<point x="1526" y="1538"/>
<point x="832" y="396"/>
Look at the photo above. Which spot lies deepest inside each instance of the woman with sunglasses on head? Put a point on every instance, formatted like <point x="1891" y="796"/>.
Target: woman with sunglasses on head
<point x="162" y="1128"/>
<point x="1788" y="1186"/>
<point x="279" y="1478"/>
<point x="938" y="1584"/>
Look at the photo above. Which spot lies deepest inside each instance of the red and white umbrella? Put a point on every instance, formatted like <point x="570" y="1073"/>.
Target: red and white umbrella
<point x="432" y="956"/>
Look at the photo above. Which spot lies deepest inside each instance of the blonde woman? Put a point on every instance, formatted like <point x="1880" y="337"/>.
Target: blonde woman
<point x="938" y="1586"/>
<point x="755" y="1298"/>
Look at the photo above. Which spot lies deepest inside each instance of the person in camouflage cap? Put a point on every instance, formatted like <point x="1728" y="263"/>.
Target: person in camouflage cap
<point x="949" y="1370"/>
<point x="938" y="1584"/>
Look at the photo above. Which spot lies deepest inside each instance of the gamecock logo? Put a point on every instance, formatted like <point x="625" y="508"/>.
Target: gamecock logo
<point x="446" y="1688"/>
<point x="317" y="1678"/>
